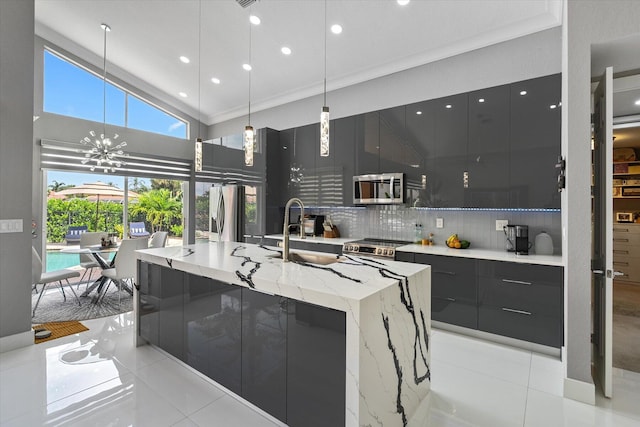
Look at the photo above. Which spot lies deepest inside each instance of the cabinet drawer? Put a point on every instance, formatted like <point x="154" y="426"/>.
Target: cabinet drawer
<point x="535" y="328"/>
<point x="523" y="274"/>
<point x="454" y="312"/>
<point x="452" y="278"/>
<point x="626" y="228"/>
<point x="538" y="298"/>
<point x="626" y="240"/>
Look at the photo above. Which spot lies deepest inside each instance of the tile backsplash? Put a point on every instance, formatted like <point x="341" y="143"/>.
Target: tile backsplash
<point x="477" y="226"/>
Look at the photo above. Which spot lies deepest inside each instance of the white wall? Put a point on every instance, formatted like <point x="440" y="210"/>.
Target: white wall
<point x="519" y="59"/>
<point x="16" y="151"/>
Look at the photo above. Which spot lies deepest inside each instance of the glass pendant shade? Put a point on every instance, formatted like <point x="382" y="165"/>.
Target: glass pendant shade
<point x="198" y="157"/>
<point x="249" y="140"/>
<point x="324" y="132"/>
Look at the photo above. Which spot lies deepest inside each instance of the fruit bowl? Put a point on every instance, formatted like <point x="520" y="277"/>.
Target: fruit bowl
<point x="464" y="244"/>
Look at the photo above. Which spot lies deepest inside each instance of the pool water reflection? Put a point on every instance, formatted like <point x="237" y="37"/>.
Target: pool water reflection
<point x="57" y="260"/>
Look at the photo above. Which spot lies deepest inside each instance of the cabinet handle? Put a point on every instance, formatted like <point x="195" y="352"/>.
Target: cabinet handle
<point x="465" y="179"/>
<point x="620" y="229"/>
<point x="620" y="252"/>
<point x="620" y="263"/>
<point x="620" y="240"/>
<point x="448" y="273"/>
<point x="512" y="310"/>
<point x="450" y="299"/>
<point x="517" y="282"/>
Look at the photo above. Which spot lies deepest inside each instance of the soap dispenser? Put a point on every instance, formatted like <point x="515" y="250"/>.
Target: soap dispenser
<point x="418" y="235"/>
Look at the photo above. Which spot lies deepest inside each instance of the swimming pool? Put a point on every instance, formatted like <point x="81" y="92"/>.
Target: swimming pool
<point x="57" y="260"/>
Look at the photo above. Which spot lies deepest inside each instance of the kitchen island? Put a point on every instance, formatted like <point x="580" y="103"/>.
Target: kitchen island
<point x="295" y="339"/>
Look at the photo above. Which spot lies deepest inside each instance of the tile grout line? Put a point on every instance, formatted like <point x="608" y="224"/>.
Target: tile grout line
<point x="526" y="395"/>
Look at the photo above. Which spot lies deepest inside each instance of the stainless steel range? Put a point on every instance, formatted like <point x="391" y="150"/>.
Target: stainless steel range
<point x="373" y="247"/>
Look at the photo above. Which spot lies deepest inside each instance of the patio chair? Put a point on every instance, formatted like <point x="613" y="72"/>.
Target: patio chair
<point x="38" y="277"/>
<point x="88" y="261"/>
<point x="124" y="265"/>
<point x="158" y="239"/>
<point x="137" y="229"/>
<point x="73" y="234"/>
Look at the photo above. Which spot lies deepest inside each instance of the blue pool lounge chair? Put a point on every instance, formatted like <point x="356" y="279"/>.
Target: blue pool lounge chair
<point x="73" y="234"/>
<point x="137" y="229"/>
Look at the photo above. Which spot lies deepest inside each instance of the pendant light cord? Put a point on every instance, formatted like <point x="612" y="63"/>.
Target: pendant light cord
<point x="325" y="53"/>
<point x="199" y="64"/>
<point x="104" y="81"/>
<point x="250" y="72"/>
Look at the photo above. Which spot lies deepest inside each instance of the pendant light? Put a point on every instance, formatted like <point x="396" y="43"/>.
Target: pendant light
<point x="324" y="114"/>
<point x="198" y="147"/>
<point x="249" y="132"/>
<point x="100" y="151"/>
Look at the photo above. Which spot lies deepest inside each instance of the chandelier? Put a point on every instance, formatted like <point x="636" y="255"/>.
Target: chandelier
<point x="103" y="152"/>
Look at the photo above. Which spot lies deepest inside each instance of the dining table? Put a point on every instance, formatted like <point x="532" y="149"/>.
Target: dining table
<point x="97" y="252"/>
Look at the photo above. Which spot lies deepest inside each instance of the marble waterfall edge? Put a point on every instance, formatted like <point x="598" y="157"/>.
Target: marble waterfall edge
<point x="387" y="306"/>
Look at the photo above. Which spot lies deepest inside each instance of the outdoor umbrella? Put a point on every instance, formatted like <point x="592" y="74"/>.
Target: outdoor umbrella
<point x="97" y="191"/>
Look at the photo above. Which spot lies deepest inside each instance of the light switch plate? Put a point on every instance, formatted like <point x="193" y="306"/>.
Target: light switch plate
<point x="501" y="223"/>
<point x="10" y="226"/>
<point x="439" y="222"/>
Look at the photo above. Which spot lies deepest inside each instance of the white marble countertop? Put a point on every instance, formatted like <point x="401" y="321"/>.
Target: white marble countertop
<point x="314" y="239"/>
<point x="336" y="285"/>
<point x="488" y="254"/>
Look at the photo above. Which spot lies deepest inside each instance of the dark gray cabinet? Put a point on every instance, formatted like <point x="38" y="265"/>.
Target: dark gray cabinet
<point x="212" y="325"/>
<point x="264" y="351"/>
<point x="454" y="289"/>
<point x="521" y="301"/>
<point x="285" y="356"/>
<point x="316" y="349"/>
<point x="161" y="307"/>
<point x="451" y="134"/>
<point x="420" y="134"/>
<point x="367" y="143"/>
<point x="488" y="148"/>
<point x="337" y="189"/>
<point x="516" y="300"/>
<point x="306" y="246"/>
<point x="535" y="142"/>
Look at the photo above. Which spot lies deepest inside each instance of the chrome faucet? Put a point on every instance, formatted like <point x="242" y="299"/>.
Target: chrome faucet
<point x="285" y="231"/>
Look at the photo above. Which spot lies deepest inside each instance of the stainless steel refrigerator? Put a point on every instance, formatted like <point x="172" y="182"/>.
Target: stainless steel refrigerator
<point x="226" y="211"/>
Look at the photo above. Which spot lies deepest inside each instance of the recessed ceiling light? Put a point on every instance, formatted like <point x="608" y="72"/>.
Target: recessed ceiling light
<point x="254" y="20"/>
<point x="336" y="28"/>
<point x="637" y="102"/>
<point x="481" y="100"/>
<point x="182" y="94"/>
<point x="185" y="59"/>
<point x="448" y="106"/>
<point x="285" y="50"/>
<point x="215" y="80"/>
<point x="523" y="92"/>
<point x="403" y="2"/>
<point x="246" y="67"/>
<point x="418" y="112"/>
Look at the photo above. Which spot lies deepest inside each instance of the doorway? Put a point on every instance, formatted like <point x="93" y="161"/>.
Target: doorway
<point x="626" y="239"/>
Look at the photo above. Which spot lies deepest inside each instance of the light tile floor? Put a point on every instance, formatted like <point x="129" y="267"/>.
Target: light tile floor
<point x="99" y="378"/>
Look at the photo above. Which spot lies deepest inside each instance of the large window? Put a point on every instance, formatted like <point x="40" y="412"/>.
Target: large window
<point x="73" y="91"/>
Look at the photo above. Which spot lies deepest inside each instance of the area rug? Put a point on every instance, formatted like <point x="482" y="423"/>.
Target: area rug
<point x="60" y="329"/>
<point x="53" y="308"/>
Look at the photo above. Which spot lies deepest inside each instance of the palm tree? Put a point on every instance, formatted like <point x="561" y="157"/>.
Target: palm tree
<point x="58" y="186"/>
<point x="159" y="207"/>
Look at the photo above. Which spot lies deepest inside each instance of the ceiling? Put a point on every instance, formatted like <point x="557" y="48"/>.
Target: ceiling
<point x="380" y="37"/>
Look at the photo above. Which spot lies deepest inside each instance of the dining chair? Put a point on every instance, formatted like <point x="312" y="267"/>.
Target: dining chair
<point x="124" y="268"/>
<point x="40" y="277"/>
<point x="88" y="261"/>
<point x="158" y="239"/>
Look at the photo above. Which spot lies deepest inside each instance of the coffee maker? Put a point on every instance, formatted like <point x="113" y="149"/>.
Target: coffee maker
<point x="517" y="238"/>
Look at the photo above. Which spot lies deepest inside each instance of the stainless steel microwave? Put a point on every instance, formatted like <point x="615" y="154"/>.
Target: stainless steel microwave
<point x="379" y="189"/>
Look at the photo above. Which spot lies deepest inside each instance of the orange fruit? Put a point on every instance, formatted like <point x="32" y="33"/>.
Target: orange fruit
<point x="458" y="245"/>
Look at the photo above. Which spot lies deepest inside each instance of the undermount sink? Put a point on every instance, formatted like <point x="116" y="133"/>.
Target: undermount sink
<point x="310" y="258"/>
